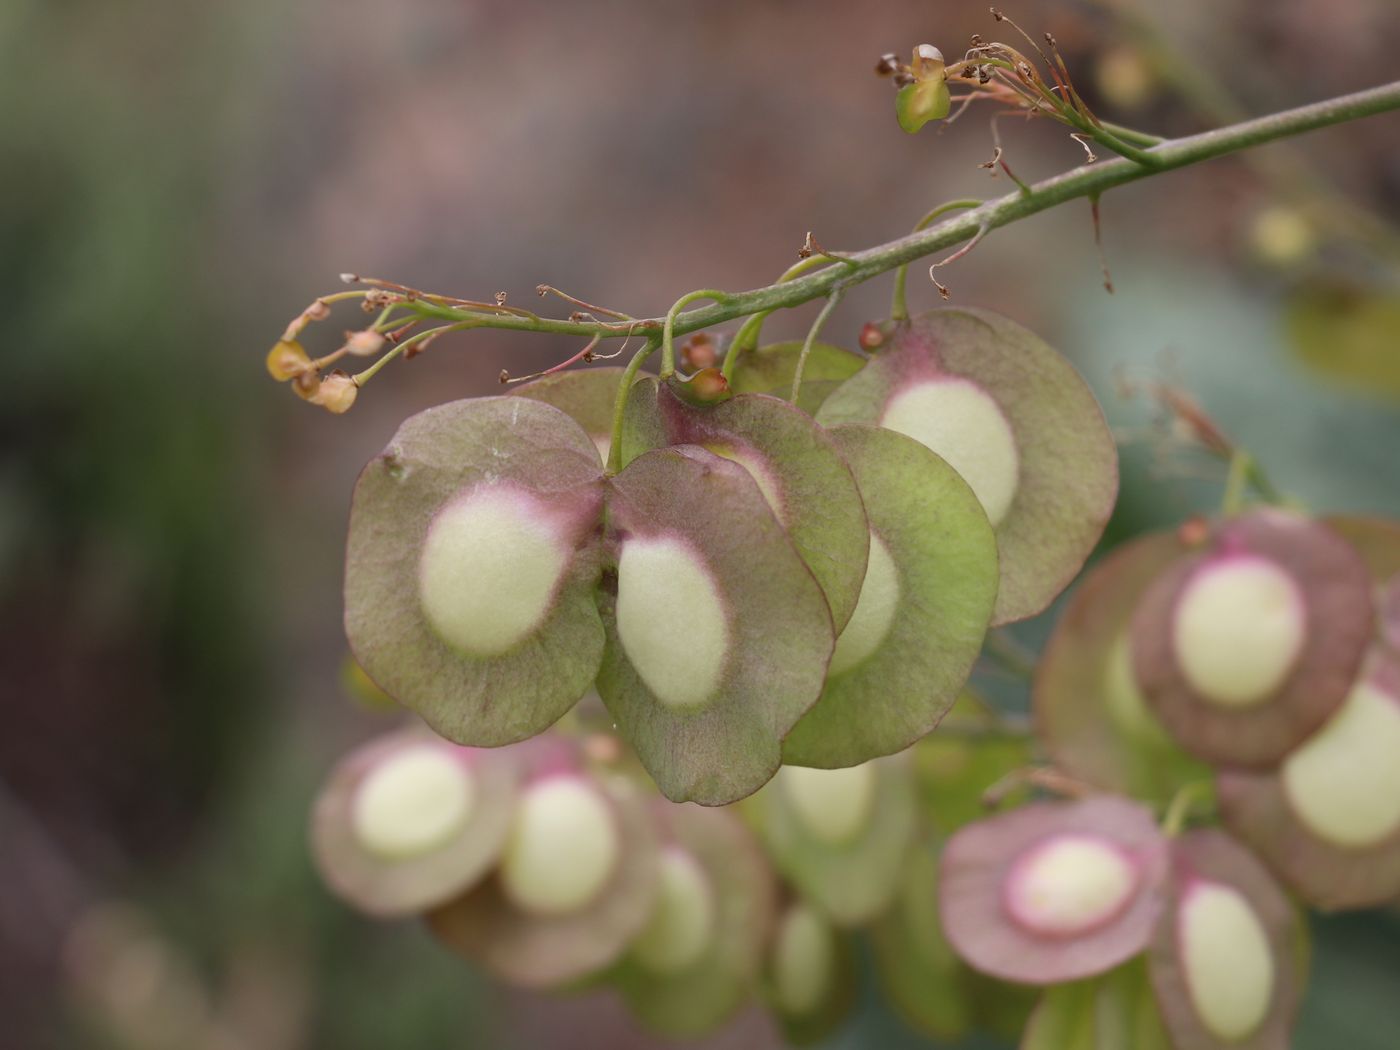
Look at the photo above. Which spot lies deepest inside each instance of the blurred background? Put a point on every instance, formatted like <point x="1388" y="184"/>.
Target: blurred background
<point x="181" y="179"/>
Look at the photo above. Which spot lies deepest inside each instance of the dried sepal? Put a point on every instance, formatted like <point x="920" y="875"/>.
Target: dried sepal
<point x="929" y="589"/>
<point x="697" y="678"/>
<point x="1089" y="709"/>
<point x="1248" y="646"/>
<point x="841" y="835"/>
<point x="408" y="821"/>
<point x="1016" y="421"/>
<point x="471" y="567"/>
<point x="694" y="963"/>
<point x="537" y="938"/>
<point x="1225" y="959"/>
<point x="1053" y="891"/>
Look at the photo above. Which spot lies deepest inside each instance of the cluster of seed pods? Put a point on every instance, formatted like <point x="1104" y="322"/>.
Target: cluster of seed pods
<point x="1254" y="662"/>
<point x="551" y="868"/>
<point x="756" y="582"/>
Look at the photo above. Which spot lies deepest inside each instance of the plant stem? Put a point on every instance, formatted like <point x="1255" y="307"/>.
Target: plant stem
<point x="1084" y="181"/>
<point x="899" y="310"/>
<point x="668" y="347"/>
<point x="624" y="388"/>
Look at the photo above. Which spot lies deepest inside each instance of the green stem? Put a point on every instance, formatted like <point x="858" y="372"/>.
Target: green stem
<point x="668" y="349"/>
<point x="361" y="378"/>
<point x="624" y="388"/>
<point x="899" y="309"/>
<point x="1179" y="808"/>
<point x="1232" y="502"/>
<point x="801" y="367"/>
<point x="1084" y="181"/>
<point x="746" y="338"/>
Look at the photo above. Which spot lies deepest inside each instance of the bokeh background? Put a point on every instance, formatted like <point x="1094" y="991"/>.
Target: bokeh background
<point x="180" y="179"/>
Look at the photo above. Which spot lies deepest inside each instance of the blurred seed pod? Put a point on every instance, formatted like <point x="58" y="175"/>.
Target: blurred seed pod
<point x="810" y="980"/>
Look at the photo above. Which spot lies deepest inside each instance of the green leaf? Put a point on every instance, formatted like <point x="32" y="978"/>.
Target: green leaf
<point x="929" y="592"/>
<point x="534" y="461"/>
<point x="730" y="684"/>
<point x="1015" y="419"/>
<point x="769" y="370"/>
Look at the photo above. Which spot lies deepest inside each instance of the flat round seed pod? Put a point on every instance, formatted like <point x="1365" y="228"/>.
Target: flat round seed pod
<point x="695" y="962"/>
<point x="471" y="567"/>
<point x="798" y="469"/>
<point x="1089" y="712"/>
<point x="920" y="974"/>
<point x="407" y="821"/>
<point x="1016" y="421"/>
<point x="1224" y="957"/>
<point x="699" y="678"/>
<point x="930" y="585"/>
<point x="1378" y="542"/>
<point x="810" y="979"/>
<point x="538" y="946"/>
<point x="585" y="395"/>
<point x="769" y="370"/>
<point x="1247" y="647"/>
<point x="1053" y="891"/>
<point x="841" y="835"/>
<point x="1327" y="820"/>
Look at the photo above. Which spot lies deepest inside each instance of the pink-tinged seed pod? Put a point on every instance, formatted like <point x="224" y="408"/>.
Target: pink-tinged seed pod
<point x="409" y="821"/>
<point x="576" y="883"/>
<point x="698" y="680"/>
<point x="1089" y="709"/>
<point x="841" y="835"/>
<point x="1226" y="959"/>
<point x="471" y="567"/>
<point x="693" y="963"/>
<point x="1246" y="648"/>
<point x="1327" y="820"/>
<point x="587" y="396"/>
<point x="1012" y="417"/>
<point x="1053" y="891"/>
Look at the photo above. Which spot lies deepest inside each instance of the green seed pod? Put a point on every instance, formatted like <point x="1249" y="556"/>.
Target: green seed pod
<point x="810" y="981"/>
<point x="472" y="564"/>
<point x="769" y="370"/>
<point x="1012" y="417"/>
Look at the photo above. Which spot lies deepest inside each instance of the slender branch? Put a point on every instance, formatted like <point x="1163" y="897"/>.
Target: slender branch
<point x="1085" y="181"/>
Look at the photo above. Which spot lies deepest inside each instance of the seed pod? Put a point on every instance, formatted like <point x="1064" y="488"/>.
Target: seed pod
<point x="954" y="771"/>
<point x="1089" y="710"/>
<point x="693" y="964"/>
<point x="769" y="370"/>
<point x="577" y="879"/>
<point x="929" y="589"/>
<point x="1053" y="891"/>
<point x="1327" y="820"/>
<point x="841" y="835"/>
<point x="471" y="567"/>
<point x="1012" y="417"/>
<point x="698" y="680"/>
<point x="1246" y="648"/>
<point x="1225" y="958"/>
<point x="810" y="981"/>
<point x="797" y="466"/>
<point x="408" y="821"/>
<point x="586" y="396"/>
<point x="921" y="975"/>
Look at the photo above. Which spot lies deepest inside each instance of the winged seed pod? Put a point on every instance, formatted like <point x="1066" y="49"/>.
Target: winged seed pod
<point x="810" y="979"/>
<point x="1012" y="417"/>
<point x="1089" y="709"/>
<point x="472" y="564"/>
<point x="408" y="821"/>
<point x="698" y="680"/>
<point x="1226" y="959"/>
<point x="1246" y="647"/>
<point x="1053" y="891"/>
<point x="769" y="370"/>
<point x="694" y="963"/>
<point x="586" y="396"/>
<point x="576" y="882"/>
